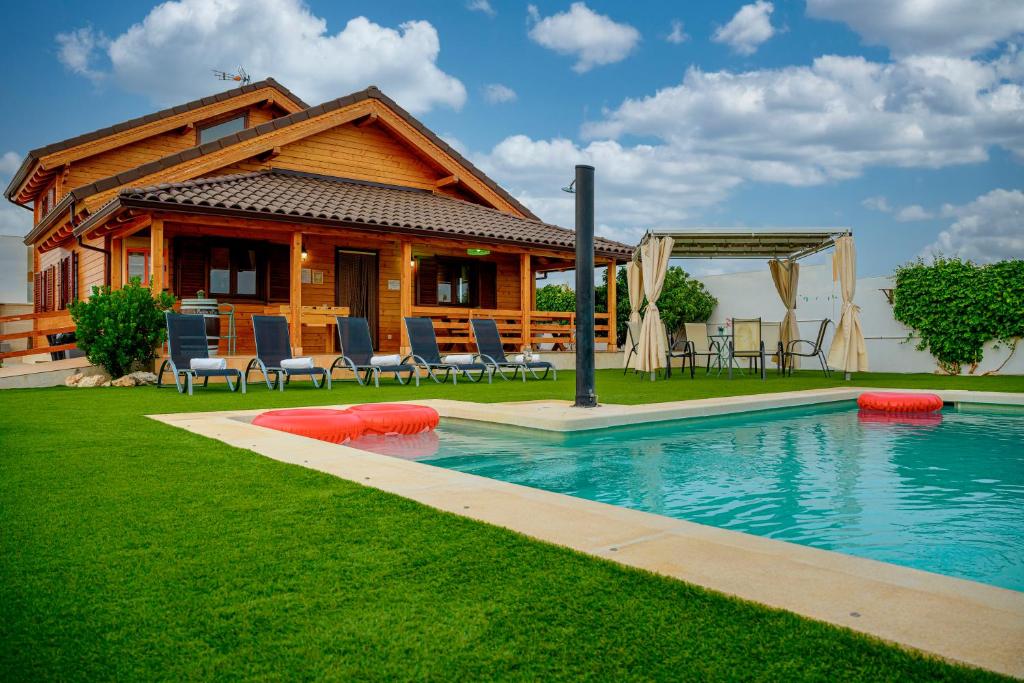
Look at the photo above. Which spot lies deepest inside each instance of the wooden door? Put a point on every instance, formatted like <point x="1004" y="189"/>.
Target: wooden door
<point x="355" y="286"/>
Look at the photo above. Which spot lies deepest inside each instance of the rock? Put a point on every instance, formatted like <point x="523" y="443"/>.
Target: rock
<point x="93" y="381"/>
<point x="106" y="384"/>
<point x="126" y="381"/>
<point x="142" y="377"/>
<point x="73" y="380"/>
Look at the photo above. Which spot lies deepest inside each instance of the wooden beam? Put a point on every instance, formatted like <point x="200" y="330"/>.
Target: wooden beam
<point x="270" y="154"/>
<point x="406" y="295"/>
<point x="295" y="293"/>
<point x="525" y="293"/>
<point x="267" y="103"/>
<point x="186" y="129"/>
<point x="368" y="121"/>
<point x="612" y="304"/>
<point x="156" y="255"/>
<point x="116" y="264"/>
<point x="446" y="181"/>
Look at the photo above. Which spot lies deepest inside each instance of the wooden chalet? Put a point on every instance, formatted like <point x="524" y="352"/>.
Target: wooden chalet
<point x="271" y="205"/>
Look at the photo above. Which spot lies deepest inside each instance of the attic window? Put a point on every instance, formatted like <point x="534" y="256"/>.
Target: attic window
<point x="222" y="129"/>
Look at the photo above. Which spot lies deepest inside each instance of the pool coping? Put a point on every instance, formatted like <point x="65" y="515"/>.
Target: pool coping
<point x="952" y="618"/>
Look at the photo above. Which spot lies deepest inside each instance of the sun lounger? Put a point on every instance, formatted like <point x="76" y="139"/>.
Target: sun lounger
<point x="274" y="355"/>
<point x="427" y="355"/>
<point x="492" y="352"/>
<point x="189" y="356"/>
<point x="357" y="355"/>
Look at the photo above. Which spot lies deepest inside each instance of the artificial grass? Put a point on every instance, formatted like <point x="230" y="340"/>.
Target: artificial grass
<point x="133" y="550"/>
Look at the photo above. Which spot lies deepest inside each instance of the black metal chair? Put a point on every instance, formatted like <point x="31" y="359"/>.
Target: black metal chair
<point x="274" y="346"/>
<point x="428" y="356"/>
<point x="357" y="354"/>
<point x="492" y="352"/>
<point x="633" y="342"/>
<point x="186" y="339"/>
<point x="817" y="350"/>
<point x="678" y="347"/>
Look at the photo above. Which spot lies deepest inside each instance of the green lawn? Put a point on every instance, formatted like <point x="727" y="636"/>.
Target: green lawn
<point x="133" y="550"/>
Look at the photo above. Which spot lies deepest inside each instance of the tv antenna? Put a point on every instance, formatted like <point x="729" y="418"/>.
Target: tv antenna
<point x="240" y="76"/>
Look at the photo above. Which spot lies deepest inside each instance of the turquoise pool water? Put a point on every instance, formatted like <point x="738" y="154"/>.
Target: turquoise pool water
<point x="944" y="494"/>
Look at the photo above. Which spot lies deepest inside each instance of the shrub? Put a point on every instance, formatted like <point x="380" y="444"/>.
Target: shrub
<point x="559" y="298"/>
<point x="957" y="306"/>
<point x="121" y="328"/>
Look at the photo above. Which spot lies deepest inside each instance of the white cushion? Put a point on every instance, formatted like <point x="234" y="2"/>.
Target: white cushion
<point x="392" y="359"/>
<point x="302" y="363"/>
<point x="208" y="364"/>
<point x="457" y="359"/>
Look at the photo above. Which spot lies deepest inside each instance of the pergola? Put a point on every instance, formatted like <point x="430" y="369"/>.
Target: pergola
<point x="782" y="247"/>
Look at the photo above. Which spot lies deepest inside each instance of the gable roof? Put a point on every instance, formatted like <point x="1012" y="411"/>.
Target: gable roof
<point x="293" y="196"/>
<point x="36" y="154"/>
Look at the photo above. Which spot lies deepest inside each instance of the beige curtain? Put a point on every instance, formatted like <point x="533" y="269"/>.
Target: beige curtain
<point x="635" y="285"/>
<point x="848" y="353"/>
<point x="786" y="274"/>
<point x="654" y="256"/>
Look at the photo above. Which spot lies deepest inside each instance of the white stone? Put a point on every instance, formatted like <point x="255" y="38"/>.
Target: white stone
<point x="143" y="377"/>
<point x="93" y="381"/>
<point x="73" y="380"/>
<point x="125" y="381"/>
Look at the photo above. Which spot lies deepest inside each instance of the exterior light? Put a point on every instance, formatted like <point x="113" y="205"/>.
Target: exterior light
<point x="305" y="254"/>
<point x="478" y="252"/>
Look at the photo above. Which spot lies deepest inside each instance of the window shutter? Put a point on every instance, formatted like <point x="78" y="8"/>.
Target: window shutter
<point x="279" y="273"/>
<point x="74" y="276"/>
<point x="64" y="283"/>
<point x="37" y="292"/>
<point x="487" y="284"/>
<point x="189" y="267"/>
<point x="426" y="282"/>
<point x="51" y="288"/>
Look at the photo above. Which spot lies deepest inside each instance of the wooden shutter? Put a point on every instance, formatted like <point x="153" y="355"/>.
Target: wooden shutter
<point x="74" y="276"/>
<point x="51" y="286"/>
<point x="487" y="284"/>
<point x="279" y="273"/>
<point x="426" y="282"/>
<point x="64" y="283"/>
<point x="37" y="292"/>
<point x="189" y="267"/>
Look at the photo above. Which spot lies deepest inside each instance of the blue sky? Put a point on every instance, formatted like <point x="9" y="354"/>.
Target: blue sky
<point x="906" y="126"/>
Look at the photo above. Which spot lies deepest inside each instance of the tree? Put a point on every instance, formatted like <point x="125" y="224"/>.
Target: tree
<point x="559" y="298"/>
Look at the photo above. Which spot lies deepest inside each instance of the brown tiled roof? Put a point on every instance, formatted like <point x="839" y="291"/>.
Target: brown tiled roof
<point x="302" y="197"/>
<point x="36" y="154"/>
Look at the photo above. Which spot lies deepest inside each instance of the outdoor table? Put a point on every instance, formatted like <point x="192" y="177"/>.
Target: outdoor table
<point x="723" y="351"/>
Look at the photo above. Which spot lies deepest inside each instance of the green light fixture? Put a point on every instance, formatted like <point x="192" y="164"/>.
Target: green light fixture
<point x="478" y="252"/>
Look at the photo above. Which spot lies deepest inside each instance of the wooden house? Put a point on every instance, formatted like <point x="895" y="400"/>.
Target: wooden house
<point x="267" y="204"/>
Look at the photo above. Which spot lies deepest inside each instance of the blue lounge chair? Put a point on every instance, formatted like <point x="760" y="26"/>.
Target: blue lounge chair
<point x="427" y="355"/>
<point x="492" y="352"/>
<point x="186" y="339"/>
<point x="273" y="345"/>
<point x="357" y="352"/>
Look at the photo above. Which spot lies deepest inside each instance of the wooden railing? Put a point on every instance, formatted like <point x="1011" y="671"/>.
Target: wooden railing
<point x="51" y="322"/>
<point x="547" y="329"/>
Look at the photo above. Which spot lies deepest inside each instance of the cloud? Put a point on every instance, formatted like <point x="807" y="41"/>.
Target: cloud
<point x="748" y="29"/>
<point x="14" y="220"/>
<point x="594" y="39"/>
<point x="169" y="54"/>
<point x="481" y="6"/>
<point x="987" y="229"/>
<point x="942" y="27"/>
<point x="877" y="203"/>
<point x="496" y="93"/>
<point x="914" y="212"/>
<point x="677" y="35"/>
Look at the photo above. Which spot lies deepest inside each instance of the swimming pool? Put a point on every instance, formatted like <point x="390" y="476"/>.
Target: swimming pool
<point x="944" y="493"/>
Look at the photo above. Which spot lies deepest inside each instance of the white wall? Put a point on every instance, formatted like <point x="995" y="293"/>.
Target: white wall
<point x="14" y="268"/>
<point x="752" y="294"/>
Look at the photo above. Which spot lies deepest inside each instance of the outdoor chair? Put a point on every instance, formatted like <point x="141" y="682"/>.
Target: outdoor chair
<point x="492" y="352"/>
<point x="186" y="342"/>
<point x="427" y="355"/>
<point x="633" y="342"/>
<point x="274" y="355"/>
<point x="357" y="355"/>
<point x="816" y="350"/>
<point x="678" y="347"/>
<point x="771" y="335"/>
<point x="698" y="343"/>
<point x="746" y="343"/>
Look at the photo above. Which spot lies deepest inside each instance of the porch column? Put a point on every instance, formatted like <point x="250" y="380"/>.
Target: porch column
<point x="405" y="294"/>
<point x="156" y="255"/>
<point x="295" y="293"/>
<point x="116" y="264"/>
<point x="526" y="300"/>
<point x="613" y="302"/>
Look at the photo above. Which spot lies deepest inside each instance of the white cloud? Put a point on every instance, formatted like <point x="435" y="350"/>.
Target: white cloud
<point x="77" y="48"/>
<point x="877" y="203"/>
<point x="168" y="56"/>
<point x="496" y="93"/>
<point x="594" y="39"/>
<point x="947" y="27"/>
<point x="14" y="220"/>
<point x="914" y="212"/>
<point x="750" y="27"/>
<point x="481" y="6"/>
<point x="677" y="35"/>
<point x="990" y="228"/>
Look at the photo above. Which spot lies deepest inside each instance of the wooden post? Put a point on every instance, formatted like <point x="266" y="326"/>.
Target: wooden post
<point x="156" y="255"/>
<point x="526" y="300"/>
<point x="295" y="293"/>
<point x="116" y="264"/>
<point x="406" y="293"/>
<point x="613" y="302"/>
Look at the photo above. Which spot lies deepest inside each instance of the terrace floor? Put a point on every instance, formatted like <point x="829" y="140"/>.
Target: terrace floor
<point x="132" y="549"/>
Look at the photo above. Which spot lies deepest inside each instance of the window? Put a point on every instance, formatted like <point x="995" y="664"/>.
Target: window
<point x="219" y="130"/>
<point x="456" y="282"/>
<point x="223" y="268"/>
<point x="138" y="264"/>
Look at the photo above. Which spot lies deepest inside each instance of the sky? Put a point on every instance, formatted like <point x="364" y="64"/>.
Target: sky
<point x="903" y="121"/>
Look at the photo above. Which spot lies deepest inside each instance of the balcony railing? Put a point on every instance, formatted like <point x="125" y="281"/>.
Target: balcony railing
<point x="547" y="330"/>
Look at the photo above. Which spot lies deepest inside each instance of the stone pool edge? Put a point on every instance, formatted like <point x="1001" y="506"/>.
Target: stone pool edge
<point x="952" y="618"/>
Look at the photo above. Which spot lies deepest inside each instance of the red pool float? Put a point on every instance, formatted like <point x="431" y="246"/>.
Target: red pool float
<point x="396" y="418"/>
<point x="893" y="402"/>
<point x="325" y="424"/>
<point x="877" y="417"/>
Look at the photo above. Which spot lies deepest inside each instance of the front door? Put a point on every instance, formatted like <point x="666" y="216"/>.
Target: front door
<point x="355" y="285"/>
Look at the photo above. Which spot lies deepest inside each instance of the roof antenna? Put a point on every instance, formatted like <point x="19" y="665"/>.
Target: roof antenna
<point x="240" y="76"/>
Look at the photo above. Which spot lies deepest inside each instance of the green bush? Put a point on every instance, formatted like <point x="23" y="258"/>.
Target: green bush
<point x="119" y="329"/>
<point x="559" y="298"/>
<point x="957" y="306"/>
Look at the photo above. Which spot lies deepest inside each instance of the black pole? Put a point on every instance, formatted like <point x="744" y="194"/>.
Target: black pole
<point x="585" y="395"/>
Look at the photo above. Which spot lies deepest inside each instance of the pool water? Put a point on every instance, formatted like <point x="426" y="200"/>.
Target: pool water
<point x="943" y="493"/>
